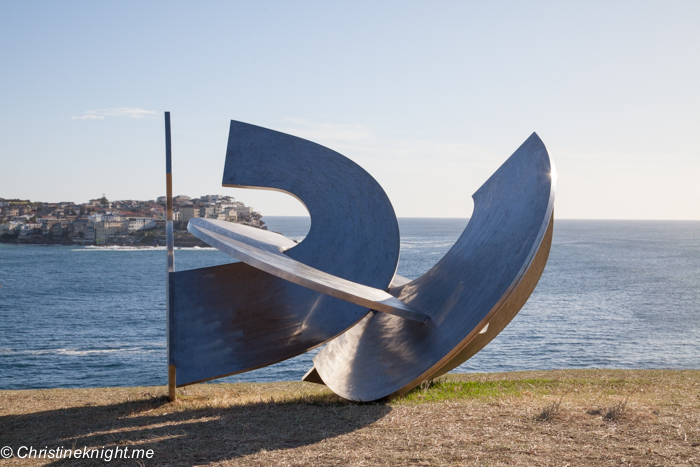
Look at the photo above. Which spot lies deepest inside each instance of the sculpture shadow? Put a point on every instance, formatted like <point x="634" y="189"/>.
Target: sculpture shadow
<point x="188" y="432"/>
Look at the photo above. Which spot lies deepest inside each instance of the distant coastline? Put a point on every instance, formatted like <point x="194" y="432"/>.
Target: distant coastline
<point x="121" y="223"/>
<point x="150" y="238"/>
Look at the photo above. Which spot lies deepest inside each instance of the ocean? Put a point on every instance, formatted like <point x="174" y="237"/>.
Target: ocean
<point x="614" y="294"/>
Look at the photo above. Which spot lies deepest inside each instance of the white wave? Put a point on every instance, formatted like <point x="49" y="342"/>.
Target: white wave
<point x="140" y="248"/>
<point x="83" y="353"/>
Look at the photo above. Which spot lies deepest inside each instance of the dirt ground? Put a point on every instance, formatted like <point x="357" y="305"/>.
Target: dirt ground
<point x="572" y="417"/>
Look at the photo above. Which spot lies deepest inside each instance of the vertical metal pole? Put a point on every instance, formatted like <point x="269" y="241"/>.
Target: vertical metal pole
<point x="169" y="241"/>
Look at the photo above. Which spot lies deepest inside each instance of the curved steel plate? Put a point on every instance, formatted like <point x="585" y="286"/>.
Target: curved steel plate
<point x="263" y="250"/>
<point x="265" y="240"/>
<point x="234" y="318"/>
<point x="486" y="276"/>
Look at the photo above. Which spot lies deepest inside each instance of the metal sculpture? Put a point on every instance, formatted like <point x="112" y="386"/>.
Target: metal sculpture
<point x="384" y="333"/>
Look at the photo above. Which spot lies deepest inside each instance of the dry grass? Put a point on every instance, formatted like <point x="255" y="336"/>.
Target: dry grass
<point x="550" y="410"/>
<point x="594" y="417"/>
<point x="616" y="410"/>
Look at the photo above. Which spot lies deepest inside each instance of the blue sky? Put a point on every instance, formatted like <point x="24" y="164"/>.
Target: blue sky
<point x="429" y="97"/>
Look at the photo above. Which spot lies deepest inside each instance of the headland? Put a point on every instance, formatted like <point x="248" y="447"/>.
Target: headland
<point x="103" y="222"/>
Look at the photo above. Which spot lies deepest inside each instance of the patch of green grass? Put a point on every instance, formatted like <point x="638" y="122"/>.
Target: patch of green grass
<point x="440" y="390"/>
<point x="474" y="386"/>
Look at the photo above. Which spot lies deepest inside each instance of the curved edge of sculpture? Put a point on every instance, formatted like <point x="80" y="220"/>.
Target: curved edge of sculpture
<point x="483" y="280"/>
<point x="503" y="313"/>
<point x="263" y="251"/>
<point x="350" y="212"/>
<point x="253" y="236"/>
<point x="234" y="318"/>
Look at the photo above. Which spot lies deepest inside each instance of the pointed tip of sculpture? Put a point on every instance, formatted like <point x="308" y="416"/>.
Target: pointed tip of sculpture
<point x="312" y="376"/>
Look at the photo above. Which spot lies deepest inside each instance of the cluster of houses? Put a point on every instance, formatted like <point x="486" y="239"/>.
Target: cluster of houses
<point x="101" y="221"/>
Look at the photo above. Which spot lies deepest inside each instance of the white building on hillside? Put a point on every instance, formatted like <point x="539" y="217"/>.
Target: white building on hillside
<point x="133" y="224"/>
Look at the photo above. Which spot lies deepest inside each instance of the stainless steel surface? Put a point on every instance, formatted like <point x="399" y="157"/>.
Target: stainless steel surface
<point x="234" y="318"/>
<point x="237" y="317"/>
<point x="265" y="240"/>
<point x="483" y="280"/>
<point x="263" y="250"/>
